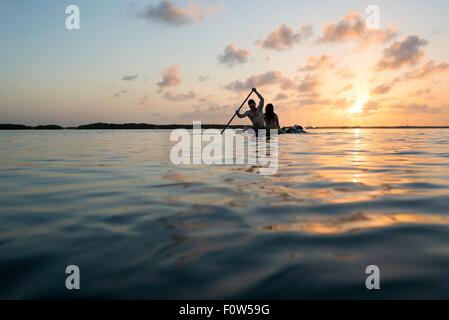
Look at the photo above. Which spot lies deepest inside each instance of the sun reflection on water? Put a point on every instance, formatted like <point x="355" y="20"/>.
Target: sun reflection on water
<point x="356" y="222"/>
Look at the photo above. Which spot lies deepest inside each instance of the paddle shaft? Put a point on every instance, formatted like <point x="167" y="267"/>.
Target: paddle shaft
<point x="237" y="110"/>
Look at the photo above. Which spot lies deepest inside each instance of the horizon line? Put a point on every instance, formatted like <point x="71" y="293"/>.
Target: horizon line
<point x="148" y="126"/>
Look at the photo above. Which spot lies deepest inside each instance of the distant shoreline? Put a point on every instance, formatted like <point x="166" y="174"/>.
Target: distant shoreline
<point x="145" y="126"/>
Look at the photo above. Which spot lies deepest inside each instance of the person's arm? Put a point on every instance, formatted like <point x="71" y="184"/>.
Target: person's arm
<point x="240" y="115"/>
<point x="262" y="100"/>
<point x="277" y="122"/>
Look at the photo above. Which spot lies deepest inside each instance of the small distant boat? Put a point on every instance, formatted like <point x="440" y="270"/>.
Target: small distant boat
<point x="293" y="130"/>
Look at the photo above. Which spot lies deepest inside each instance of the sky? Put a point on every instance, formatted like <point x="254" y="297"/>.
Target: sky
<point x="321" y="63"/>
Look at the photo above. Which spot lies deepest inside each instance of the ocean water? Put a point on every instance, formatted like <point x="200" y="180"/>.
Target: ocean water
<point x="137" y="226"/>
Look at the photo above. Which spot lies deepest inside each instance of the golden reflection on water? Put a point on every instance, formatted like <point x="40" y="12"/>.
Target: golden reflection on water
<point x="362" y="166"/>
<point x="356" y="222"/>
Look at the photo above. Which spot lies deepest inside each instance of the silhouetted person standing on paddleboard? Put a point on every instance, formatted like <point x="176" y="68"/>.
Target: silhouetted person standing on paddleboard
<point x="255" y="114"/>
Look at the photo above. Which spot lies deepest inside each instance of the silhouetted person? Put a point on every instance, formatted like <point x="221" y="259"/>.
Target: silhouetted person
<point x="271" y="118"/>
<point x="255" y="114"/>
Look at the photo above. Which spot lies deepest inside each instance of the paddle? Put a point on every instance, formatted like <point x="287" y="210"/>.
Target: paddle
<point x="237" y="110"/>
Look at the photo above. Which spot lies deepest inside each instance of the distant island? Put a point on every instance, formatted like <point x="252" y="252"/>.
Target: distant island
<point x="146" y="126"/>
<point x="114" y="126"/>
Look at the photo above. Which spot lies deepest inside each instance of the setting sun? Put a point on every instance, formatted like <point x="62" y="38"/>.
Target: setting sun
<point x="357" y="107"/>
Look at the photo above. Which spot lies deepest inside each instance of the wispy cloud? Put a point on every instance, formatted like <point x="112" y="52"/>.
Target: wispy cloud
<point x="287" y="84"/>
<point x="232" y="56"/>
<point x="122" y="92"/>
<point x="267" y="78"/>
<point x="346" y="88"/>
<point x="318" y="63"/>
<point x="171" y="77"/>
<point x="130" y="77"/>
<point x="345" y="73"/>
<point x="429" y="69"/>
<point x="168" y="13"/>
<point x="343" y="103"/>
<point x="180" y="97"/>
<point x="382" y="89"/>
<point x="145" y="101"/>
<point x="418" y="108"/>
<point x="313" y="101"/>
<point x="203" y="78"/>
<point x="280" y="97"/>
<point x="371" y="107"/>
<point x="285" y="37"/>
<point x="421" y="92"/>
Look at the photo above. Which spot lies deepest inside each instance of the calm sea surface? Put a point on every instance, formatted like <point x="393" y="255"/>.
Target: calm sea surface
<point x="137" y="226"/>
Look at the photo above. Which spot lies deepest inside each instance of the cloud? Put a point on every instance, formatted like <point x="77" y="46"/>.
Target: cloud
<point x="218" y="108"/>
<point x="382" y="89"/>
<point x="281" y="96"/>
<point x="180" y="97"/>
<point x="308" y="90"/>
<point x="203" y="78"/>
<point x="144" y="101"/>
<point x="345" y="73"/>
<point x="318" y="63"/>
<point x="371" y="107"/>
<point x="285" y="37"/>
<point x="122" y="92"/>
<point x="130" y="77"/>
<point x="346" y="88"/>
<point x="267" y="78"/>
<point x="343" y="103"/>
<point x="209" y="104"/>
<point x="313" y="102"/>
<point x="438" y="31"/>
<point x="232" y="56"/>
<point x="352" y="27"/>
<point x="206" y="99"/>
<point x="310" y="84"/>
<point x="418" y="108"/>
<point x="402" y="53"/>
<point x="429" y="69"/>
<point x="171" y="77"/>
<point x="421" y="92"/>
<point x="287" y="84"/>
<point x="166" y="12"/>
